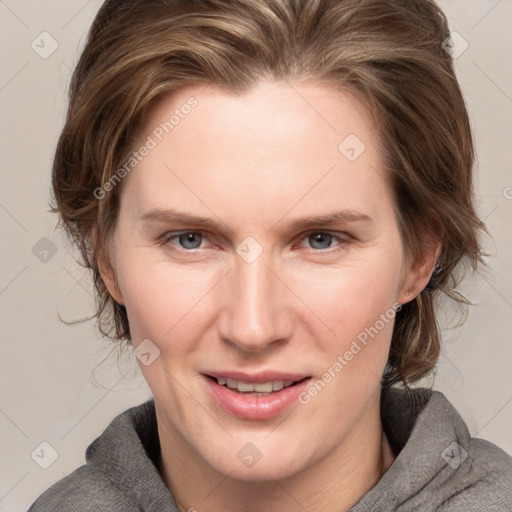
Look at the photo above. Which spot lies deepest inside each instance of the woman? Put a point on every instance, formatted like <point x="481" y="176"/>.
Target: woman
<point x="272" y="196"/>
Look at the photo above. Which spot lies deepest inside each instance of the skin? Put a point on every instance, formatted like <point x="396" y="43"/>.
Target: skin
<point x="255" y="163"/>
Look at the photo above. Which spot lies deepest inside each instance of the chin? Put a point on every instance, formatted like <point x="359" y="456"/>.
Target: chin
<point x="259" y="461"/>
<point x="262" y="471"/>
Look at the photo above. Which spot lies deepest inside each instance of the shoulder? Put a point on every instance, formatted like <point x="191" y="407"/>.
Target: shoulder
<point x="440" y="467"/>
<point x="479" y="474"/>
<point x="491" y="472"/>
<point x="82" y="491"/>
<point x="490" y="459"/>
<point x="118" y="470"/>
<point x="484" y="479"/>
<point x="120" y="474"/>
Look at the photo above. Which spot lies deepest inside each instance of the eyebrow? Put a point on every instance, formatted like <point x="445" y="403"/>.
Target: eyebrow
<point x="171" y="215"/>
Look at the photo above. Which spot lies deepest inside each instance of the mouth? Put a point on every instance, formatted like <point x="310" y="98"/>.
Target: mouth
<point x="255" y="388"/>
<point x="255" y="397"/>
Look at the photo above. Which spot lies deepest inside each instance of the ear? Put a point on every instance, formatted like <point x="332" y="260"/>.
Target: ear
<point x="419" y="270"/>
<point x="106" y="269"/>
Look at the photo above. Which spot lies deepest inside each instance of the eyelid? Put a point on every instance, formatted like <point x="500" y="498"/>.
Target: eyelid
<point x="170" y="235"/>
<point x="334" y="234"/>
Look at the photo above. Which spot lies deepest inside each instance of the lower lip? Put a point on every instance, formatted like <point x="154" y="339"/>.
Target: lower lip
<point x="254" y="407"/>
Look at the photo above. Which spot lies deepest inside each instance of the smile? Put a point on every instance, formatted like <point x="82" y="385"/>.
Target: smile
<point x="254" y="398"/>
<point x="263" y="387"/>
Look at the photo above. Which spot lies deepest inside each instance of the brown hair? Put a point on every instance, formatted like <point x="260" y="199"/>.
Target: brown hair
<point x="388" y="52"/>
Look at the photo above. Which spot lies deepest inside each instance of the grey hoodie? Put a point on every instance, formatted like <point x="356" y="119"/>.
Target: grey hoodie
<point x="439" y="467"/>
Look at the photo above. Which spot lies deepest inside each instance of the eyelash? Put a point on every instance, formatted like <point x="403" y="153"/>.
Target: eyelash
<point x="173" y="235"/>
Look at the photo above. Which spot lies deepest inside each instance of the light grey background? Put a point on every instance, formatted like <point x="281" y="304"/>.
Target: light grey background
<point x="55" y="387"/>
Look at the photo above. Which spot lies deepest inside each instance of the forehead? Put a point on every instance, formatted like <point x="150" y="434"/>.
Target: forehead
<point x="270" y="111"/>
<point x="277" y="145"/>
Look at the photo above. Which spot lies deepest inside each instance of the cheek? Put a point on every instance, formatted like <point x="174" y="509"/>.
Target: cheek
<point x="173" y="305"/>
<point x="349" y="299"/>
<point x="161" y="299"/>
<point x="358" y="304"/>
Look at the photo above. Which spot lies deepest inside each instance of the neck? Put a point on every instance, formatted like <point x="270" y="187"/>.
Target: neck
<point x="336" y="482"/>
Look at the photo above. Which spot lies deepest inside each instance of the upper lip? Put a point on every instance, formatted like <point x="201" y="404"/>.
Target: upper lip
<point x="262" y="376"/>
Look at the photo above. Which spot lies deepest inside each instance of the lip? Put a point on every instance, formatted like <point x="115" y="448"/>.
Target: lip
<point x="254" y="378"/>
<point x="253" y="407"/>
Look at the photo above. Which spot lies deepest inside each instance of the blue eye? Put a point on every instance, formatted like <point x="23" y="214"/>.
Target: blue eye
<point x="187" y="240"/>
<point x="321" y="240"/>
<point x="315" y="241"/>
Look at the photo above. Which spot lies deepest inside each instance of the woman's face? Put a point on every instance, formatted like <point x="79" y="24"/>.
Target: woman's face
<point x="257" y="244"/>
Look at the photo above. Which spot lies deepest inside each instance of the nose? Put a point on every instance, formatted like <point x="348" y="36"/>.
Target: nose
<point x="255" y="312"/>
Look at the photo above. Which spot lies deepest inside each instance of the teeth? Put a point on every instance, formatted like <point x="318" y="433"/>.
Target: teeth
<point x="263" y="387"/>
<point x="230" y="383"/>
<point x="260" y="387"/>
<point x="276" y="385"/>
